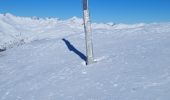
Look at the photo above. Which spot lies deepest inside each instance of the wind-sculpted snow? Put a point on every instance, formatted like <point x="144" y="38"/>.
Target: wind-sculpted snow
<point x="44" y="59"/>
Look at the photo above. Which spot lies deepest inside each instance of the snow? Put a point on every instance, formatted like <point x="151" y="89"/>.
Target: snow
<point x="133" y="61"/>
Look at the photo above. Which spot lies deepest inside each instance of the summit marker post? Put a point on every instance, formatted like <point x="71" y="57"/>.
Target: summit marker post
<point x="88" y="33"/>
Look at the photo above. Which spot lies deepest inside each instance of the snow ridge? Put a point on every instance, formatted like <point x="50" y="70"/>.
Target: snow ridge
<point x="16" y="30"/>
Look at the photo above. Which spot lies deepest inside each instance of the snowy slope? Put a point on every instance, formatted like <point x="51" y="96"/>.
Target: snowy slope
<point x="44" y="60"/>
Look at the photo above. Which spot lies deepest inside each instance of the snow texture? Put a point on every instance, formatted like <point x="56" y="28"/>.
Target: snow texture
<point x="44" y="59"/>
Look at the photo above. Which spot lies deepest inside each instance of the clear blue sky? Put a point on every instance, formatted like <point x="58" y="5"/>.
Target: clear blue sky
<point x="118" y="11"/>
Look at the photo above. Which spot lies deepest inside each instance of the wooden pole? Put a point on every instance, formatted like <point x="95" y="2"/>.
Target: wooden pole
<point x="88" y="33"/>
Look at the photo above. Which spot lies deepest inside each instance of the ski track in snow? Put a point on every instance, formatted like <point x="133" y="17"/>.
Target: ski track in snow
<point x="133" y="61"/>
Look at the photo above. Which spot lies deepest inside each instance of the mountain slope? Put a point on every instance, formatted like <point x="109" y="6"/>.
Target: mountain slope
<point x="133" y="61"/>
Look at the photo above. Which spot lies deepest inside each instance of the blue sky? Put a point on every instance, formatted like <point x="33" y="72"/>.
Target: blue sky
<point x="118" y="11"/>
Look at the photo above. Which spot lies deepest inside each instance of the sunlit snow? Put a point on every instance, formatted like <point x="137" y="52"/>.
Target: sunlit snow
<point x="43" y="59"/>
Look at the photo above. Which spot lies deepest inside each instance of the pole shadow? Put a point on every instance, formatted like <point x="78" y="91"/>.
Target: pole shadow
<point x="73" y="49"/>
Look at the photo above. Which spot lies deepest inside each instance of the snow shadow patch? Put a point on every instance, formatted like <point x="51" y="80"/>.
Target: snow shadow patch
<point x="73" y="49"/>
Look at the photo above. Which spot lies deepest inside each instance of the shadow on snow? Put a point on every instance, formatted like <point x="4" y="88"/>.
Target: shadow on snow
<point x="73" y="49"/>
